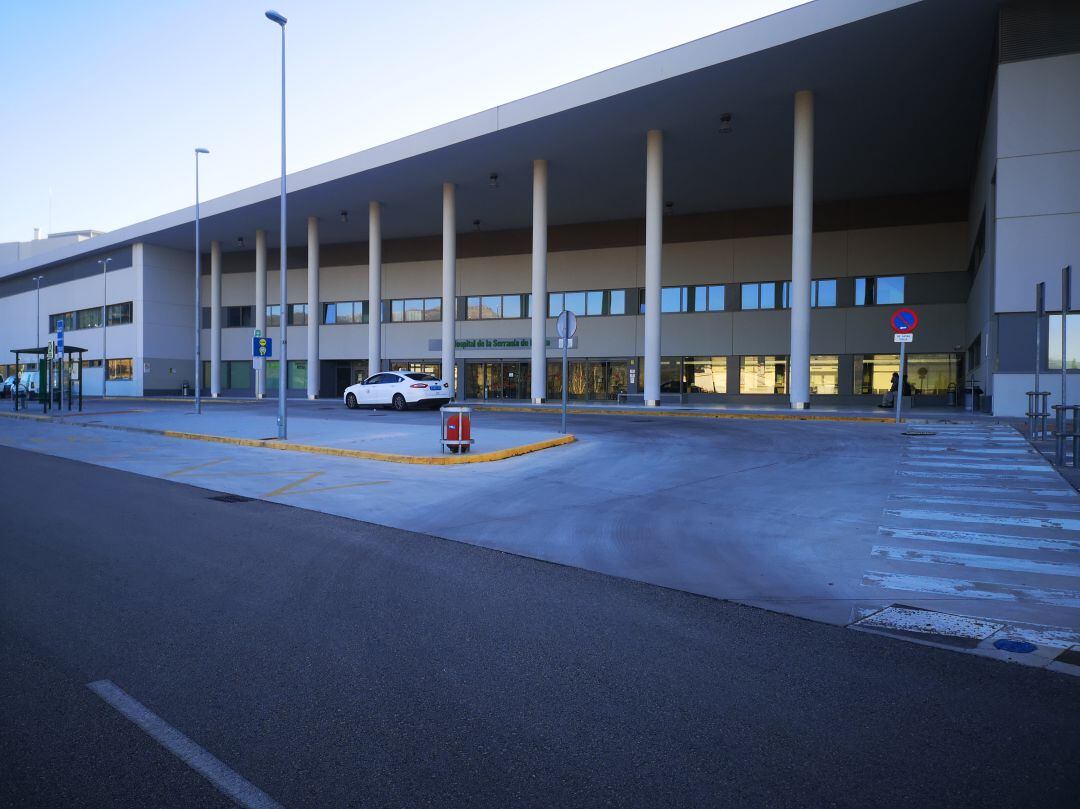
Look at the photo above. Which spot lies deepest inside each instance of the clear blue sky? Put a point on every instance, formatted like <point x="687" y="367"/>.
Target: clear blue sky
<point x="102" y="102"/>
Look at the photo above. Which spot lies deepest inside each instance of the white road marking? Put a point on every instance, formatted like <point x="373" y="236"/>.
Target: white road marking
<point x="1028" y="478"/>
<point x="1060" y="523"/>
<point x="1068" y="508"/>
<point x="242" y="791"/>
<point x="975" y="560"/>
<point x="963" y="588"/>
<point x="973" y="451"/>
<point x="975" y="538"/>
<point x="996" y="467"/>
<point x="975" y="489"/>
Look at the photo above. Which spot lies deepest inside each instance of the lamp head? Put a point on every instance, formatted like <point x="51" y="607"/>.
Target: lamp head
<point x="201" y="150"/>
<point x="273" y="16"/>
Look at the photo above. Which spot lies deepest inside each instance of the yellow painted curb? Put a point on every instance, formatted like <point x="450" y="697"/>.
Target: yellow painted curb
<point x="313" y="449"/>
<point x="426" y="460"/>
<point x="699" y="414"/>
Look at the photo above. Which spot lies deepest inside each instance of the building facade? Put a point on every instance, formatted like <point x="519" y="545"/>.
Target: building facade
<point x="731" y="220"/>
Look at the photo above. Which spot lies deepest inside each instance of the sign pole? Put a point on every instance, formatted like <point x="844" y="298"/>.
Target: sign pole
<point x="1066" y="290"/>
<point x="565" y="343"/>
<point x="900" y="383"/>
<point x="1040" y="309"/>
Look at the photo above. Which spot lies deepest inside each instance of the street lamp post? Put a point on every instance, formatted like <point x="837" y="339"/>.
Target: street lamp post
<point x="283" y="357"/>
<point x="198" y="289"/>
<point x="37" y="279"/>
<point x="104" y="324"/>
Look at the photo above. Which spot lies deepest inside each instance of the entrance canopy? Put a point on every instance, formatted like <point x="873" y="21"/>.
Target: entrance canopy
<point x="900" y="91"/>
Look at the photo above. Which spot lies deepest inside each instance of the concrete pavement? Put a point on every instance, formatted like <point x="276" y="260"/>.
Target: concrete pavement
<point x="331" y="662"/>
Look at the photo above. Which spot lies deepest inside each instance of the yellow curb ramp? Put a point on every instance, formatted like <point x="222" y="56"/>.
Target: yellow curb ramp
<point x="426" y="460"/>
<point x="314" y="449"/>
<point x="698" y="414"/>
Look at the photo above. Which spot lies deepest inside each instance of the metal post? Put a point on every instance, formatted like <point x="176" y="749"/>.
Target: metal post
<point x="283" y="358"/>
<point x="900" y="383"/>
<point x="198" y="290"/>
<point x="37" y="315"/>
<point x="104" y="324"/>
<point x="1066" y="295"/>
<point x="565" y="345"/>
<point x="1040" y="309"/>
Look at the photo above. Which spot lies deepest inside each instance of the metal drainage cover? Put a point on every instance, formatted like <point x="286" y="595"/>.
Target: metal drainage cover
<point x="231" y="498"/>
<point x="917" y="432"/>
<point x="898" y="618"/>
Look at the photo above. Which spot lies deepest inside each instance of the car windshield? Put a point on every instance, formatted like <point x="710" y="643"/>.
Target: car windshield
<point x="423" y="377"/>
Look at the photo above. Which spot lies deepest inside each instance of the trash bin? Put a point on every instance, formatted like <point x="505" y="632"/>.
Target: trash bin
<point x="456" y="428"/>
<point x="183" y="390"/>
<point x="951" y="395"/>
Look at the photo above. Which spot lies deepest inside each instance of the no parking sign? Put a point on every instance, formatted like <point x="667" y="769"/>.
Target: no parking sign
<point x="904" y="320"/>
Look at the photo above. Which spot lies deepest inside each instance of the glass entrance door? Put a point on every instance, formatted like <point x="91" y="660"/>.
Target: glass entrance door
<point x="497" y="380"/>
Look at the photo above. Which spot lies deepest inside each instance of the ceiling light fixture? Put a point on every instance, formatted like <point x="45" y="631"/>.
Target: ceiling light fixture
<point x="344" y="216"/>
<point x="240" y="242"/>
<point x="725" y="123"/>
<point x="493" y="180"/>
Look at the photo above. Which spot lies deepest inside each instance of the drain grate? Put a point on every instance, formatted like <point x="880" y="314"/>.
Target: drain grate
<point x="231" y="498"/>
<point x="918" y="432"/>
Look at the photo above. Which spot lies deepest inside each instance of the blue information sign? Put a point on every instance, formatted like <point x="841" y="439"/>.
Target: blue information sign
<point x="262" y="347"/>
<point x="60" y="337"/>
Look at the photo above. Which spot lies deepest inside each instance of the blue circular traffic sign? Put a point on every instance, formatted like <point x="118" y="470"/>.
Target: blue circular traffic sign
<point x="904" y="321"/>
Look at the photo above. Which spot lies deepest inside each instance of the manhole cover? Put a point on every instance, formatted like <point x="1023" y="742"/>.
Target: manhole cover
<point x="1018" y="646"/>
<point x="918" y="432"/>
<point x="231" y="498"/>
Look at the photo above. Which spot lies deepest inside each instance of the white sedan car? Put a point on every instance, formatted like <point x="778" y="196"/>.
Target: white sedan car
<point x="399" y="389"/>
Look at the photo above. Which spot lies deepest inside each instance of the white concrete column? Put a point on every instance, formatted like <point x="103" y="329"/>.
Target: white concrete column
<point x="314" y="305"/>
<point x="215" y="319"/>
<point x="260" y="304"/>
<point x="654" y="250"/>
<point x="539" y="281"/>
<point x="374" y="340"/>
<point x="449" y="282"/>
<point x="802" y="235"/>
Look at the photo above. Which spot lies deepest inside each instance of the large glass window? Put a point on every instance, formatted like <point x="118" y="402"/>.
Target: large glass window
<point x="490" y="306"/>
<point x="273" y="316"/>
<point x="297" y="375"/>
<point x="824" y="374"/>
<point x="886" y="289"/>
<point x="345" y="312"/>
<point x="759" y="296"/>
<point x="432" y="309"/>
<point x="414" y="310"/>
<point x="1072" y="335"/>
<point x="706" y="374"/>
<point x="763" y="375"/>
<point x="618" y="301"/>
<point x="121" y="368"/>
<point x="297" y="314"/>
<point x="933" y="374"/>
<point x="235" y="317"/>
<point x="873" y="372"/>
<point x="88" y="318"/>
<point x="673" y="299"/>
<point x="574" y="302"/>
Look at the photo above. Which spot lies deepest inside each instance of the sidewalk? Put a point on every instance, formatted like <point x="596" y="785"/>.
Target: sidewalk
<point x="365" y="433"/>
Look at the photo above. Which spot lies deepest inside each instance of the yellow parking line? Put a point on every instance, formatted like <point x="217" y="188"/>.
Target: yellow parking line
<point x="186" y="469"/>
<point x="319" y="489"/>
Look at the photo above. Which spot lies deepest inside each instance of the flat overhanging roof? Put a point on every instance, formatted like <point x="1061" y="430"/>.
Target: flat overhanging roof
<point x="900" y="97"/>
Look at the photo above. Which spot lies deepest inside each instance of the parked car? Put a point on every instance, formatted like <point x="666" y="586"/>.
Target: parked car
<point x="399" y="389"/>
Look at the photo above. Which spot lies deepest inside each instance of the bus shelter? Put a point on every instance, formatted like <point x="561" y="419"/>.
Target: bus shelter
<point x="57" y="375"/>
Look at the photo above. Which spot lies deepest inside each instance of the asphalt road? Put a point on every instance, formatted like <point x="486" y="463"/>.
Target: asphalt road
<point x="336" y="663"/>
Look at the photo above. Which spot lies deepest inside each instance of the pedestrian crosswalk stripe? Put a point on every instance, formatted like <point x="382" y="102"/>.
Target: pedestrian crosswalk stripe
<point x="976" y="560"/>
<point x="965" y="588"/>
<point x="1059" y="523"/>
<point x="976" y="489"/>
<point x="977" y="538"/>
<point x="1021" y="505"/>
<point x="1002" y="467"/>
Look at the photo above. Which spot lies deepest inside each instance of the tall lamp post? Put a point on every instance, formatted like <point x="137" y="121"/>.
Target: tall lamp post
<point x="283" y="357"/>
<point x="104" y="324"/>
<point x="198" y="289"/>
<point x="37" y="279"/>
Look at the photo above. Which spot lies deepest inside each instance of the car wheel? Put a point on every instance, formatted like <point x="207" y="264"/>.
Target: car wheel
<point x="350" y="402"/>
<point x="399" y="402"/>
